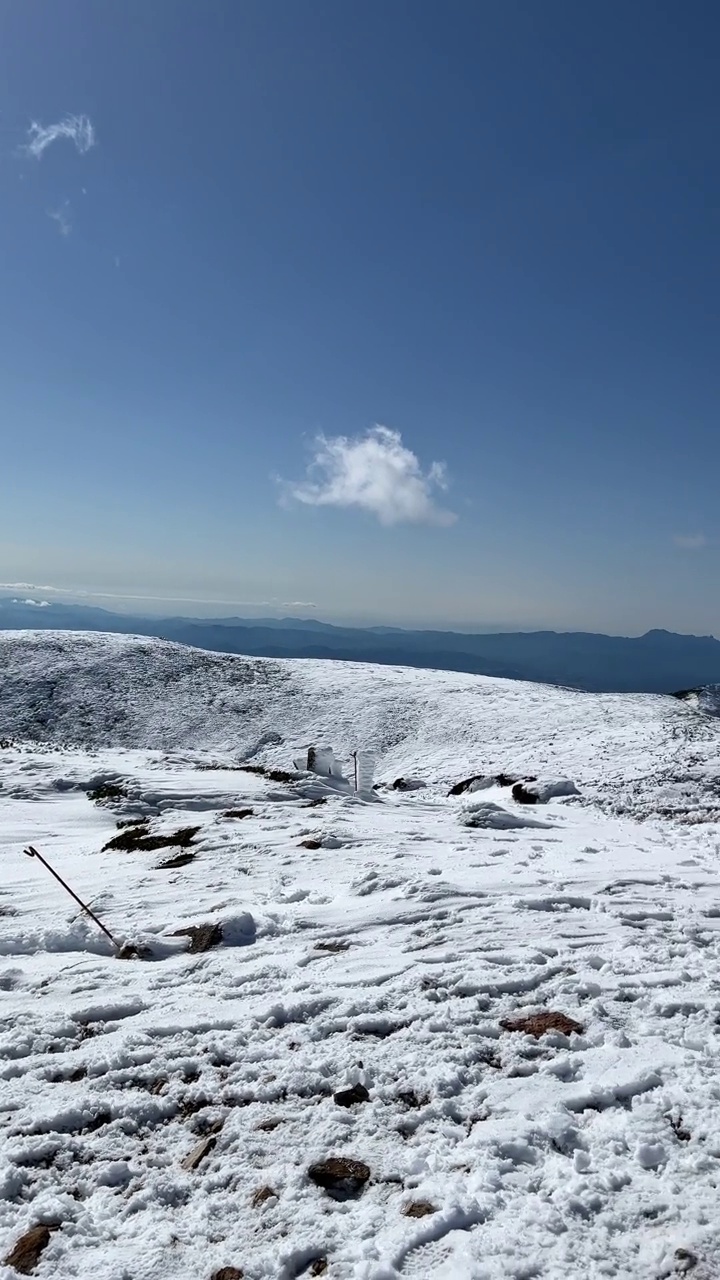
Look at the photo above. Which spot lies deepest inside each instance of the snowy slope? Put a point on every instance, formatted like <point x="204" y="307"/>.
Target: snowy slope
<point x="393" y="952"/>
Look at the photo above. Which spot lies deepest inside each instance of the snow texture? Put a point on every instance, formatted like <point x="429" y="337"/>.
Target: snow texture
<point x="174" y="1116"/>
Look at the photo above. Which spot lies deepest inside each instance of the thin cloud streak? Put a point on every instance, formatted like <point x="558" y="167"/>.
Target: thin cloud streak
<point x="61" y="216"/>
<point x="691" y="541"/>
<point x="81" y="594"/>
<point x="76" y="129"/>
<point x="375" y="472"/>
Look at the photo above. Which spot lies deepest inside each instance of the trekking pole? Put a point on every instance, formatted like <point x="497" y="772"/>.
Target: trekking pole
<point x="31" y="852"/>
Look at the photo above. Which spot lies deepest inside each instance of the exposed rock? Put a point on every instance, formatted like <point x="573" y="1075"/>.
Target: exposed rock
<point x="107" y="792"/>
<point x="419" y="1209"/>
<point x="202" y="936"/>
<point x="311" y="844"/>
<point x="685" y="1260"/>
<point x="134" y="951"/>
<point x="410" y="1098"/>
<point x="180" y="860"/>
<point x="228" y="1273"/>
<point x="537" y="1024"/>
<point x="343" y="1179"/>
<point x="261" y="1195"/>
<point x="341" y="945"/>
<point x="198" y="1153"/>
<point x="530" y="791"/>
<point x="267" y="1126"/>
<point x="461" y="787"/>
<point x="25" y="1254"/>
<point x="479" y="781"/>
<point x="408" y="784"/>
<point x="522" y="795"/>
<point x="349" y="1097"/>
<point x="318" y="1267"/>
<point x="238" y="813"/>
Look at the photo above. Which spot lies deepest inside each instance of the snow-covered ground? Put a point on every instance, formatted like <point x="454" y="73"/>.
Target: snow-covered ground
<point x="388" y="943"/>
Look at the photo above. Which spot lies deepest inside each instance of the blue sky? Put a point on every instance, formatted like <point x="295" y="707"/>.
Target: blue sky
<point x="264" y="228"/>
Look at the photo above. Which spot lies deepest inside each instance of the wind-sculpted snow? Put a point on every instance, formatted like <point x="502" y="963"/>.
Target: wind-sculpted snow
<point x="369" y="1040"/>
<point x="637" y="753"/>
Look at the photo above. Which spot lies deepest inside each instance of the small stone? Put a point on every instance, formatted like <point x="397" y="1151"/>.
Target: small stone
<point x="537" y="1024"/>
<point x="310" y="844"/>
<point x="25" y="1255"/>
<point x="238" y="813"/>
<point x="132" y="952"/>
<point x="261" y="1195"/>
<point x="419" y="1209"/>
<point x="685" y="1260"/>
<point x="521" y="795"/>
<point x="202" y="936"/>
<point x="332" y="946"/>
<point x="180" y="860"/>
<point x="343" y="1179"/>
<point x="349" y="1097"/>
<point x="228" y="1273"/>
<point x="198" y="1153"/>
<point x="318" y="1267"/>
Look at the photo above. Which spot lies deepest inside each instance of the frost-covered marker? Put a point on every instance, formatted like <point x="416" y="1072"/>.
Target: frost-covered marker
<point x="31" y="852"/>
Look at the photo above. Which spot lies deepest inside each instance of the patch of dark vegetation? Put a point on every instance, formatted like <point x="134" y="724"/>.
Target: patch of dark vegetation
<point x="272" y="775"/>
<point x="180" y="860"/>
<point x="202" y="936"/>
<point x="342" y="1178"/>
<point x="238" y="813"/>
<point x="138" y="839"/>
<point x="130" y="822"/>
<point x="537" y="1024"/>
<point x="350" y="1097"/>
<point x="419" y="1209"/>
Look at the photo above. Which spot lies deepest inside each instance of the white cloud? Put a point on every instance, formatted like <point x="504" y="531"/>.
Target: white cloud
<point x="377" y="473"/>
<point x="61" y="215"/>
<point x="691" y="541"/>
<point x="77" y="129"/>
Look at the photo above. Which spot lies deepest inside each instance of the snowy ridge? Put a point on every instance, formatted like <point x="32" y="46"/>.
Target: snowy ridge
<point x="369" y="972"/>
<point x="641" y="753"/>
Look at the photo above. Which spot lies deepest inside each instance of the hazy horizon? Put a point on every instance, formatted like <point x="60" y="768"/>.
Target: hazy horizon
<point x="193" y="608"/>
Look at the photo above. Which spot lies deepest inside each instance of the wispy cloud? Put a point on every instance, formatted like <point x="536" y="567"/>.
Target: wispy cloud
<point x="62" y="216"/>
<point x="76" y="129"/>
<point x="78" y="593"/>
<point x="375" y="472"/>
<point x="691" y="541"/>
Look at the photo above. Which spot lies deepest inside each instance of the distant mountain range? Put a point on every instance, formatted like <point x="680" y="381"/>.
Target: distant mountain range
<point x="658" y="662"/>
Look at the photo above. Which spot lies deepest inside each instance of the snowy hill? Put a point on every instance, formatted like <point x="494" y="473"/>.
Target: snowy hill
<point x="504" y="1015"/>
